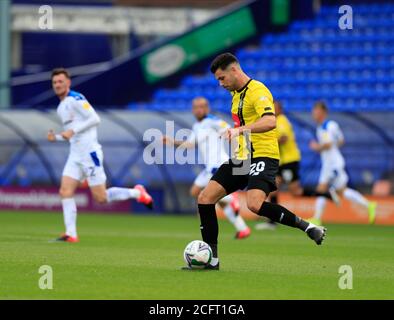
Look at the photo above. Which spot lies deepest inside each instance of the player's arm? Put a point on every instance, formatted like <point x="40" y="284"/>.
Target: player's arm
<point x="53" y="137"/>
<point x="89" y="115"/>
<point x="341" y="142"/>
<point x="264" y="124"/>
<point x="319" y="147"/>
<point x="282" y="139"/>
<point x="186" y="144"/>
<point x="263" y="106"/>
<point x="282" y="129"/>
<point x="332" y="136"/>
<point x="340" y="139"/>
<point x="326" y="143"/>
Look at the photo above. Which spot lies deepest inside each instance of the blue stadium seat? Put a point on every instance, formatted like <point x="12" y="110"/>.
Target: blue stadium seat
<point x="353" y="70"/>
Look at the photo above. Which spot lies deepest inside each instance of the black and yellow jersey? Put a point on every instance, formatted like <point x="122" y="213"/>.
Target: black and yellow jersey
<point x="248" y="105"/>
<point x="289" y="151"/>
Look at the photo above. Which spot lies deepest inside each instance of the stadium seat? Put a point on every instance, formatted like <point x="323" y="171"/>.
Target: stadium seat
<point x="352" y="70"/>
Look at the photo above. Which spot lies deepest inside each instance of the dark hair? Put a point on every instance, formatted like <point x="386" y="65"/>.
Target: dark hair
<point x="322" y="105"/>
<point x="58" y="71"/>
<point x="222" y="61"/>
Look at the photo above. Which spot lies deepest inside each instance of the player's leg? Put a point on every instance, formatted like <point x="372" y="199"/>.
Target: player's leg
<point x="320" y="205"/>
<point x="67" y="191"/>
<point x="257" y="204"/>
<point x="320" y="192"/>
<point x="103" y="195"/>
<point x="71" y="177"/>
<point x="94" y="171"/>
<point x="325" y="178"/>
<point x="229" y="203"/>
<point x="273" y="198"/>
<point x="281" y="215"/>
<point x="354" y="196"/>
<point x="200" y="183"/>
<point x="231" y="212"/>
<point x="296" y="190"/>
<point x="222" y="183"/>
<point x="209" y="227"/>
<point x="292" y="178"/>
<point x="260" y="184"/>
<point x="195" y="190"/>
<point x="327" y="193"/>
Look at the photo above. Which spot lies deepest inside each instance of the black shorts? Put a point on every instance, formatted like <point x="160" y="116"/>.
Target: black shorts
<point x="259" y="174"/>
<point x="289" y="172"/>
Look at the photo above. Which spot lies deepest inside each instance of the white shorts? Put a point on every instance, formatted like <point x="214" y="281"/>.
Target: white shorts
<point x="335" y="177"/>
<point x="203" y="178"/>
<point x="90" y="168"/>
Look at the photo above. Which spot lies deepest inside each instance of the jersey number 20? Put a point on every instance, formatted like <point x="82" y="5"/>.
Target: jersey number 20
<point x="256" y="168"/>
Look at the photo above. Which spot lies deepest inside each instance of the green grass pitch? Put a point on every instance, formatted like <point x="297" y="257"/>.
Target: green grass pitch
<point x="139" y="257"/>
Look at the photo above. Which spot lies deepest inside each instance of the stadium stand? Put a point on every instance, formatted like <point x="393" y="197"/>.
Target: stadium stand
<point x="352" y="70"/>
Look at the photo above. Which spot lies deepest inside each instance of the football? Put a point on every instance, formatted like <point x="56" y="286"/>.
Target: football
<point x="197" y="254"/>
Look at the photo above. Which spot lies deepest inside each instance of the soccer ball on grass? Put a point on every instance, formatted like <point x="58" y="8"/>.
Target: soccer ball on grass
<point x="197" y="254"/>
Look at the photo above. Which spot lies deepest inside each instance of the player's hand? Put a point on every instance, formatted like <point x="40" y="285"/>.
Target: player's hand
<point x="51" y="136"/>
<point x="231" y="133"/>
<point x="167" y="140"/>
<point x="67" y="134"/>
<point x="314" y="146"/>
